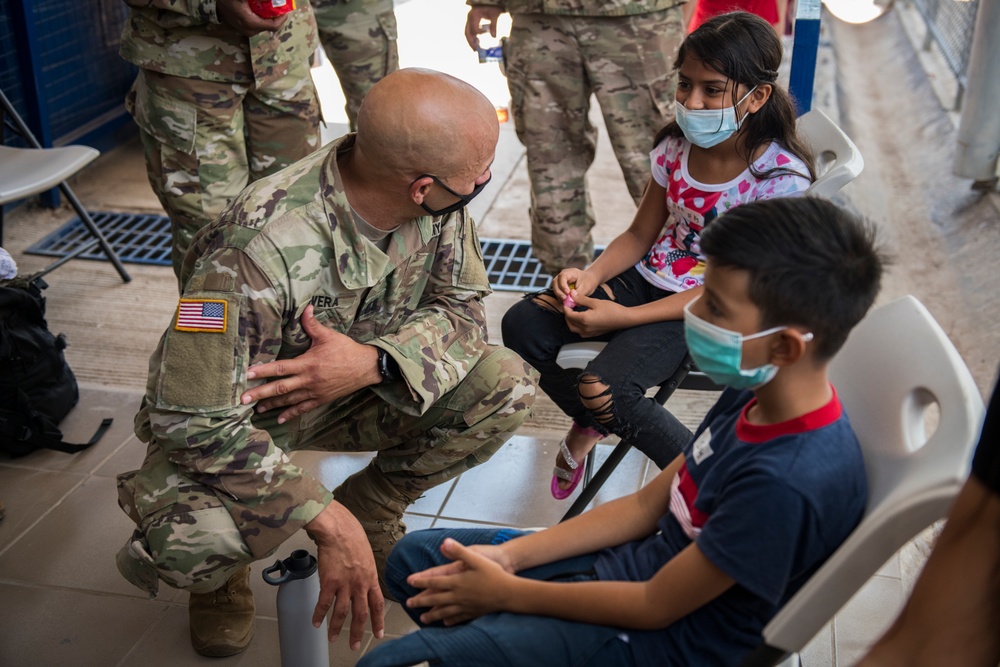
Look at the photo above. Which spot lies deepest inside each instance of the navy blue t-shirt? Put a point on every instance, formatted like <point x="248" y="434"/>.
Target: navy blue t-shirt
<point x="765" y="504"/>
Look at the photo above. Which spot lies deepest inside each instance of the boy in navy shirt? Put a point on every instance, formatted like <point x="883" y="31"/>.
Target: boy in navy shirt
<point x="689" y="569"/>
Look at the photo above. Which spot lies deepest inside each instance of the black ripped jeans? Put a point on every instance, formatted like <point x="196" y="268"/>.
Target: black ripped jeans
<point x="634" y="360"/>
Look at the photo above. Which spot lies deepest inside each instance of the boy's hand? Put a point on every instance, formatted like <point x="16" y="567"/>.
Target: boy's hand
<point x="473" y="585"/>
<point x="495" y="552"/>
<point x="600" y="316"/>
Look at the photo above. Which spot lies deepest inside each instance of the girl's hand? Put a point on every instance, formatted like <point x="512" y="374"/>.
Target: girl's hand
<point x="600" y="317"/>
<point x="566" y="280"/>
<point x="473" y="585"/>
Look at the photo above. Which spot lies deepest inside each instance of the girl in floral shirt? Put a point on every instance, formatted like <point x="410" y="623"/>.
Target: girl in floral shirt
<point x="733" y="142"/>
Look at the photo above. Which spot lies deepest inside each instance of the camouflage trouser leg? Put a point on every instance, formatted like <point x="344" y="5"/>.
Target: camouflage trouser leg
<point x="187" y="536"/>
<point x="465" y="428"/>
<point x="359" y="38"/>
<point x="554" y="65"/>
<point x="204" y="141"/>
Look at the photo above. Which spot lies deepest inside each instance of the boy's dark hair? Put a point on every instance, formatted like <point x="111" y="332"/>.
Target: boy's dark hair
<point x="744" y="48"/>
<point x="811" y="263"/>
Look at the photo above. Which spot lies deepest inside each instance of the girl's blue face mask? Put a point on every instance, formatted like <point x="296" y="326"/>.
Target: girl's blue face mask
<point x="709" y="127"/>
<point x="718" y="352"/>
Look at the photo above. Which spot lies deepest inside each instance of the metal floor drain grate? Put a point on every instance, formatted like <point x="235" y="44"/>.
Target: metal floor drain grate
<point x="136" y="237"/>
<point x="511" y="267"/>
<point x="145" y="239"/>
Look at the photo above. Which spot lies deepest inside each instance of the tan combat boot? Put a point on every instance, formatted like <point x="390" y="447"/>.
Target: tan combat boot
<point x="222" y="621"/>
<point x="378" y="506"/>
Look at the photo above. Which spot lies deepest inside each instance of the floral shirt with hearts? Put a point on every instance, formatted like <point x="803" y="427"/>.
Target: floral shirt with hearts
<point x="675" y="262"/>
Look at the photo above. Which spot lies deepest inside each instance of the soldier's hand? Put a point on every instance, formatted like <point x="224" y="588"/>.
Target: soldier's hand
<point x="348" y="581"/>
<point x="237" y="14"/>
<point x="476" y="16"/>
<point x="333" y="367"/>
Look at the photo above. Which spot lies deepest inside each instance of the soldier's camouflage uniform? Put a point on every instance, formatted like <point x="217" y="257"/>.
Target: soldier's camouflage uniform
<point x="558" y="54"/>
<point x="359" y="38"/>
<point x="217" y="488"/>
<point x="215" y="109"/>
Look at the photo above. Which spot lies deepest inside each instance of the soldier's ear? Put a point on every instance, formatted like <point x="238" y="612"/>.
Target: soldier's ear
<point x="419" y="189"/>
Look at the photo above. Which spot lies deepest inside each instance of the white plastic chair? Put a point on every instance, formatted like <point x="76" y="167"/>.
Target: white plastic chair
<point x="29" y="171"/>
<point x="838" y="160"/>
<point x="896" y="363"/>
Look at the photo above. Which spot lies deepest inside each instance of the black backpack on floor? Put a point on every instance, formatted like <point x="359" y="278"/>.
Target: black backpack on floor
<point x="37" y="387"/>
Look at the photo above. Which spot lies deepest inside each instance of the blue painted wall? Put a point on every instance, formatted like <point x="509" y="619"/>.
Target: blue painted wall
<point x="59" y="66"/>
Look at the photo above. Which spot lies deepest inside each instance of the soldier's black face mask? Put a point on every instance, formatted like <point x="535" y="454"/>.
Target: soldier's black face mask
<point x="463" y="200"/>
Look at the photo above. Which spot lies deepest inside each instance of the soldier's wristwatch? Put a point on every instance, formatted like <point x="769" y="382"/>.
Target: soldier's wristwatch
<point x="387" y="367"/>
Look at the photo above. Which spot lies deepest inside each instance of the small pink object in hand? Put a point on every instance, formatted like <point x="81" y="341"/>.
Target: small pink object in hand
<point x="569" y="302"/>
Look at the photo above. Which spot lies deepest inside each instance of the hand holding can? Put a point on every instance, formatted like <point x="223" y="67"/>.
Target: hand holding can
<point x="269" y="9"/>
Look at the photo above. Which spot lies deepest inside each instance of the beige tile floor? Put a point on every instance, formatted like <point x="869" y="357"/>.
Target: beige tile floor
<point x="61" y="599"/>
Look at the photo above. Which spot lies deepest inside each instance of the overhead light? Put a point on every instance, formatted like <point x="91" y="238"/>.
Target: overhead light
<point x="858" y="11"/>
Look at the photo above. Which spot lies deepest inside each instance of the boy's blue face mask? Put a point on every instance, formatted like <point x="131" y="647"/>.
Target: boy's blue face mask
<point x="709" y="127"/>
<point x="718" y="352"/>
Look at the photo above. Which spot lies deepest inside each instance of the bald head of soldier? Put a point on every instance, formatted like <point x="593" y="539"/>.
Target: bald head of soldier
<point x="427" y="139"/>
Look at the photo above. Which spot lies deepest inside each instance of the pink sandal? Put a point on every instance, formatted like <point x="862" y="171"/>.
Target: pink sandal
<point x="573" y="475"/>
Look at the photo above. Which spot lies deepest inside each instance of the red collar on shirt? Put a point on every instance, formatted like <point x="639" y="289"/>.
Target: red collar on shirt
<point x="755" y="433"/>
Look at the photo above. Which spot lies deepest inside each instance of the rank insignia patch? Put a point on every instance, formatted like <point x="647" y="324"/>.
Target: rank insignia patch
<point x="201" y="315"/>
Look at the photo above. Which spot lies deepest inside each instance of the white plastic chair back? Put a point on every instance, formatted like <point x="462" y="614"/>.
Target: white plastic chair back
<point x="838" y="160"/>
<point x="896" y="362"/>
<point x="28" y="171"/>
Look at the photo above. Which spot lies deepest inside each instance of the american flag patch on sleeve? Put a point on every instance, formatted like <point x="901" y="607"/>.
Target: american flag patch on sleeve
<point x="201" y="315"/>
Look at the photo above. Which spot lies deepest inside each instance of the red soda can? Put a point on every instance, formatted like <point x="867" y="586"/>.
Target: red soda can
<point x="268" y="9"/>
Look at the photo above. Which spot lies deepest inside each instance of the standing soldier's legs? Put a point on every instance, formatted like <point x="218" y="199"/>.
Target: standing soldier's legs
<point x="550" y="98"/>
<point x="359" y="38"/>
<point x="192" y="136"/>
<point x="416" y="453"/>
<point x="282" y="122"/>
<point x="631" y="64"/>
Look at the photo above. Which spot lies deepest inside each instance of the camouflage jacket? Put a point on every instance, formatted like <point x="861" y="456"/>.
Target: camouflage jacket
<point x="185" y="38"/>
<point x="287" y="241"/>
<point x="579" y="7"/>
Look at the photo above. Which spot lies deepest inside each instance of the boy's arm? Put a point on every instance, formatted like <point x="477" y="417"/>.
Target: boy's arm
<point x="687" y="582"/>
<point x="480" y="586"/>
<point x="617" y="522"/>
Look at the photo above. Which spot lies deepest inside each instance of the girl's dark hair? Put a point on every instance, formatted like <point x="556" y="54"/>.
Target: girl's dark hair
<point x="744" y="48"/>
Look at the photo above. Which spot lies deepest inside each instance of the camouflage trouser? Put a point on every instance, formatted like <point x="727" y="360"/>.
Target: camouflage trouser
<point x="359" y="38"/>
<point x="554" y="64"/>
<point x="188" y="538"/>
<point x="204" y="141"/>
